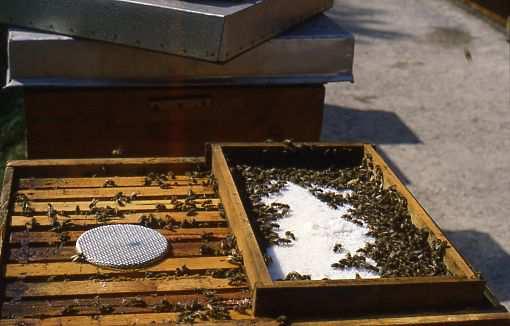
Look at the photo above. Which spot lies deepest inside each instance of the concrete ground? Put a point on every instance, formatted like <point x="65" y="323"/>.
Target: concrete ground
<point x="433" y="90"/>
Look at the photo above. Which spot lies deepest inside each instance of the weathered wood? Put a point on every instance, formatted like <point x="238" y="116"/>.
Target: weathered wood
<point x="255" y="266"/>
<point x="91" y="288"/>
<point x="59" y="183"/>
<point x="5" y="200"/>
<point x="496" y="10"/>
<point x="85" y="221"/>
<point x="454" y="261"/>
<point x="53" y="254"/>
<point x="105" y="119"/>
<point x="139" y="205"/>
<point x="75" y="269"/>
<point x="3" y="55"/>
<point x="125" y="304"/>
<point x="322" y="298"/>
<point x="107" y="167"/>
<point x="181" y="234"/>
<point x="469" y="319"/>
<point x="108" y="193"/>
<point x="123" y="320"/>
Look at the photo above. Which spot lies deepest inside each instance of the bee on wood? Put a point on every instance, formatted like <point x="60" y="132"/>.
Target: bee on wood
<point x="70" y="310"/>
<point x="191" y="212"/>
<point x="109" y="183"/>
<point x="182" y="271"/>
<point x="189" y="224"/>
<point x="160" y="207"/>
<point x="282" y="320"/>
<point x="295" y="276"/>
<point x="337" y="248"/>
<point x="32" y="224"/>
<point x="26" y="209"/>
<point x="134" y="302"/>
<point x="206" y="250"/>
<point x="93" y="204"/>
<point x="235" y="259"/>
<point x="117" y="151"/>
<point x="106" y="309"/>
<point x="51" y="211"/>
<point x="163" y="306"/>
<point x="207" y="236"/>
<point x="79" y="258"/>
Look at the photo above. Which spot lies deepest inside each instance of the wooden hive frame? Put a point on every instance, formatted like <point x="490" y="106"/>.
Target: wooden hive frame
<point x="333" y="297"/>
<point x="42" y="286"/>
<point x="53" y="278"/>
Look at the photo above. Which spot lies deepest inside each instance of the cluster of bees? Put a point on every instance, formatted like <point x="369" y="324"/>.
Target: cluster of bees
<point x="212" y="308"/>
<point x="400" y="248"/>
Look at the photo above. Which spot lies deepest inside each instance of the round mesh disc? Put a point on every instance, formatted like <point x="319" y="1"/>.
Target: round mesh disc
<point x="122" y="246"/>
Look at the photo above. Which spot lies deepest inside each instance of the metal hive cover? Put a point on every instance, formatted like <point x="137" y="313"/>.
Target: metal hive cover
<point x="316" y="51"/>
<point x="122" y="246"/>
<point x="212" y="30"/>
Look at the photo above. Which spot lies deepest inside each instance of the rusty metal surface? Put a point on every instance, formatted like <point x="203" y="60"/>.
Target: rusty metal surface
<point x="212" y="30"/>
<point x="317" y="51"/>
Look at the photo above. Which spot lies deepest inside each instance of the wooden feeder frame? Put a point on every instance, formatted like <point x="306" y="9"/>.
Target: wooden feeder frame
<point x="345" y="297"/>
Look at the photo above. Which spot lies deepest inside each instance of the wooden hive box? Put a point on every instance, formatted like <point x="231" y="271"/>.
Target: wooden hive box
<point x="319" y="298"/>
<point x="40" y="285"/>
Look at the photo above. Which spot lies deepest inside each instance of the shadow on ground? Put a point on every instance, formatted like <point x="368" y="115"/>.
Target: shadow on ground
<point x="363" y="22"/>
<point x="487" y="257"/>
<point x="377" y="127"/>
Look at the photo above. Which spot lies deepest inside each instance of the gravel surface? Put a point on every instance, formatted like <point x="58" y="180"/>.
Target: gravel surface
<point x="433" y="90"/>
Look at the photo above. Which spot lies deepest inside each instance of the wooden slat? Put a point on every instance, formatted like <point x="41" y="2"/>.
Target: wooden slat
<point x="123" y="320"/>
<point x="76" y="269"/>
<point x="255" y="267"/>
<point x="53" y="307"/>
<point x="70" y="206"/>
<point x="85" y="221"/>
<point x="106" y="162"/>
<point x="109" y="193"/>
<point x="392" y="295"/>
<point x="454" y="261"/>
<point x="97" y="182"/>
<point x="91" y="288"/>
<point x="52" y="254"/>
<point x="471" y="319"/>
<point x="181" y="234"/>
<point x="5" y="198"/>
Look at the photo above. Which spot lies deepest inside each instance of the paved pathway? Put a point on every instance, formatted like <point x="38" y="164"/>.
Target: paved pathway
<point x="433" y="89"/>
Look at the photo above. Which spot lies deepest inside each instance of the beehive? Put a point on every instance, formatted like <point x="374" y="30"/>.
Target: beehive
<point x="41" y="285"/>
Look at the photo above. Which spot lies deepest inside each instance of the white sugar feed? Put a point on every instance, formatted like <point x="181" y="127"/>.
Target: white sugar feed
<point x="317" y="228"/>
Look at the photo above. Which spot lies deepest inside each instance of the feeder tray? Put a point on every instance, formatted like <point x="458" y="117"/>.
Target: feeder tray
<point x="122" y="246"/>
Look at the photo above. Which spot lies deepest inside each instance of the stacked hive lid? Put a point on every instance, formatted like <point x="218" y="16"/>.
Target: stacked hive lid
<point x="212" y="30"/>
<point x="314" y="52"/>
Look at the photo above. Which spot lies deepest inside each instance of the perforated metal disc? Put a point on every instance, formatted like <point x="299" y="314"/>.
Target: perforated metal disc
<point x="122" y="246"/>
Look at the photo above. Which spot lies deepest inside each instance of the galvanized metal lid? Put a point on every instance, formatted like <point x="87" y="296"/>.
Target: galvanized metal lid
<point x="122" y="246"/>
<point x="212" y="30"/>
<point x="315" y="52"/>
